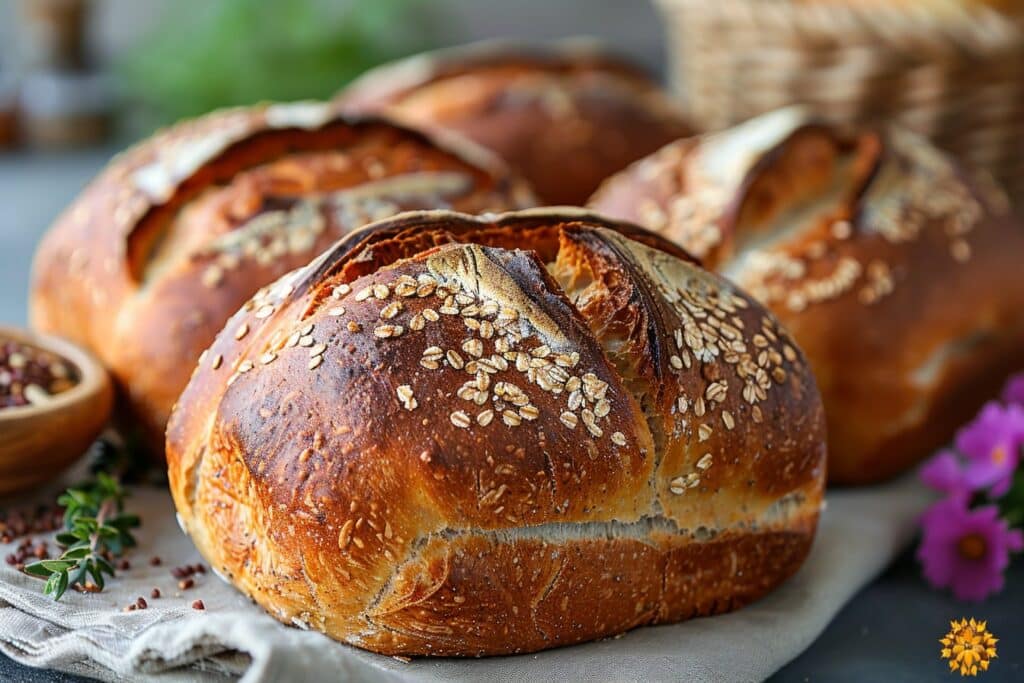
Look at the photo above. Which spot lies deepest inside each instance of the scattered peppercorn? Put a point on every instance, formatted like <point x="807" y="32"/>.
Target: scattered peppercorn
<point x="141" y="603"/>
<point x="187" y="570"/>
<point x="198" y="604"/>
<point x="155" y="593"/>
<point x="155" y="561"/>
<point x="124" y="565"/>
<point x="39" y="519"/>
<point x="27" y="551"/>
<point x="185" y="584"/>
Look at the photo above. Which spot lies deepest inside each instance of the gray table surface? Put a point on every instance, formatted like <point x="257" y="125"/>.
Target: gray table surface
<point x="889" y="632"/>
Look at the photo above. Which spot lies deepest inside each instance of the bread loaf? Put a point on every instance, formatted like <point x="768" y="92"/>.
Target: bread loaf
<point x="566" y="116"/>
<point x="169" y="241"/>
<point x="467" y="436"/>
<point x="898" y="273"/>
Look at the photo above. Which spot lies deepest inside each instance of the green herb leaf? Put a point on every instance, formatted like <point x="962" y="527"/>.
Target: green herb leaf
<point x="96" y="574"/>
<point x="95" y="527"/>
<point x="56" y="565"/>
<point x="37" y="569"/>
<point x="125" y="522"/>
<point x="76" y="574"/>
<point x="78" y="553"/>
<point x="68" y="538"/>
<point x="1011" y="505"/>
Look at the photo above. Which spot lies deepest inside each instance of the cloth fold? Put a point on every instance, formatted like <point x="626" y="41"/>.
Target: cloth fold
<point x="861" y="531"/>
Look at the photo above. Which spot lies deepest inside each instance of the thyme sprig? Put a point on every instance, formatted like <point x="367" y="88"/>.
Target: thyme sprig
<point x="96" y="528"/>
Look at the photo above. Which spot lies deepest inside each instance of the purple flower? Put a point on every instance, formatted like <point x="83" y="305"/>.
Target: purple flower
<point x="945" y="472"/>
<point x="1013" y="392"/>
<point x="991" y="445"/>
<point x="966" y="550"/>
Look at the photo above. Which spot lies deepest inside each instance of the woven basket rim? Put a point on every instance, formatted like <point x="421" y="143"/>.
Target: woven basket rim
<point x="974" y="26"/>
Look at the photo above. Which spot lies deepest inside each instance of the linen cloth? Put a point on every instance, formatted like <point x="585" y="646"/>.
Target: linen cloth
<point x="861" y="531"/>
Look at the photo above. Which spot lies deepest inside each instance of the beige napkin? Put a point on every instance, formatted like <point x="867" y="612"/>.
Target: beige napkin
<point x="861" y="531"/>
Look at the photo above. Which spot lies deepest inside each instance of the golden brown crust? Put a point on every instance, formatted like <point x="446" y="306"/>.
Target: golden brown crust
<point x="432" y="441"/>
<point x="896" y="272"/>
<point x="566" y="116"/>
<point x="146" y="265"/>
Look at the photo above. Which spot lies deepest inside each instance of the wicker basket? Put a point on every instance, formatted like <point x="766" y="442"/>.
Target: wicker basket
<point x="951" y="69"/>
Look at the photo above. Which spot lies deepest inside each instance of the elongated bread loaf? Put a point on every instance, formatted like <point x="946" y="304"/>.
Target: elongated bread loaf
<point x="897" y="271"/>
<point x="566" y="116"/>
<point x="177" y="232"/>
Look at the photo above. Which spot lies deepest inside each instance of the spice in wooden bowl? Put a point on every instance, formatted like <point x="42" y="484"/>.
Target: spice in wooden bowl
<point x="30" y="375"/>
<point x="54" y="400"/>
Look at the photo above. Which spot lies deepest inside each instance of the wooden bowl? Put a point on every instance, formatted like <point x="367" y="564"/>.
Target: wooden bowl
<point x="37" y="442"/>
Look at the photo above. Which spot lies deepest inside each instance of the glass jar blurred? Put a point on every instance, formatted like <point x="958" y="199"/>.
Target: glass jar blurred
<point x="8" y="109"/>
<point x="53" y="34"/>
<point x="65" y="109"/>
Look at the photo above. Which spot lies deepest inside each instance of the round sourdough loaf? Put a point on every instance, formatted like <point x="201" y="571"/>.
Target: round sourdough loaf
<point x="898" y="273"/>
<point x="177" y="232"/>
<point x="566" y="116"/>
<point x="466" y="436"/>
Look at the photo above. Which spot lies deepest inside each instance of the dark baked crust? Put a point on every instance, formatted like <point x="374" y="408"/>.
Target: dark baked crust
<point x="169" y="241"/>
<point x="429" y="441"/>
<point x="566" y="116"/>
<point x="896" y="271"/>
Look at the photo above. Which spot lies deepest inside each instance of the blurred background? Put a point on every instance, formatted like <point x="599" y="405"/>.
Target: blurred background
<point x="81" y="79"/>
<point x="151" y="62"/>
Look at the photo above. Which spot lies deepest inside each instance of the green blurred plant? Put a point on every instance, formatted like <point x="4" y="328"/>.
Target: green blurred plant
<point x="204" y="55"/>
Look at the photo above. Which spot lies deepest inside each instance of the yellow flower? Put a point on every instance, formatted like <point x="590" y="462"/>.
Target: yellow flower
<point x="968" y="646"/>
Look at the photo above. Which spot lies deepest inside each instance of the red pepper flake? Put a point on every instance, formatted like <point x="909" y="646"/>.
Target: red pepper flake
<point x="198" y="604"/>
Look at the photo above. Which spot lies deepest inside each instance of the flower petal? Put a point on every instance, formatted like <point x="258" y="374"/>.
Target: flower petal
<point x="943" y="472"/>
<point x="1013" y="391"/>
<point x="945" y="527"/>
